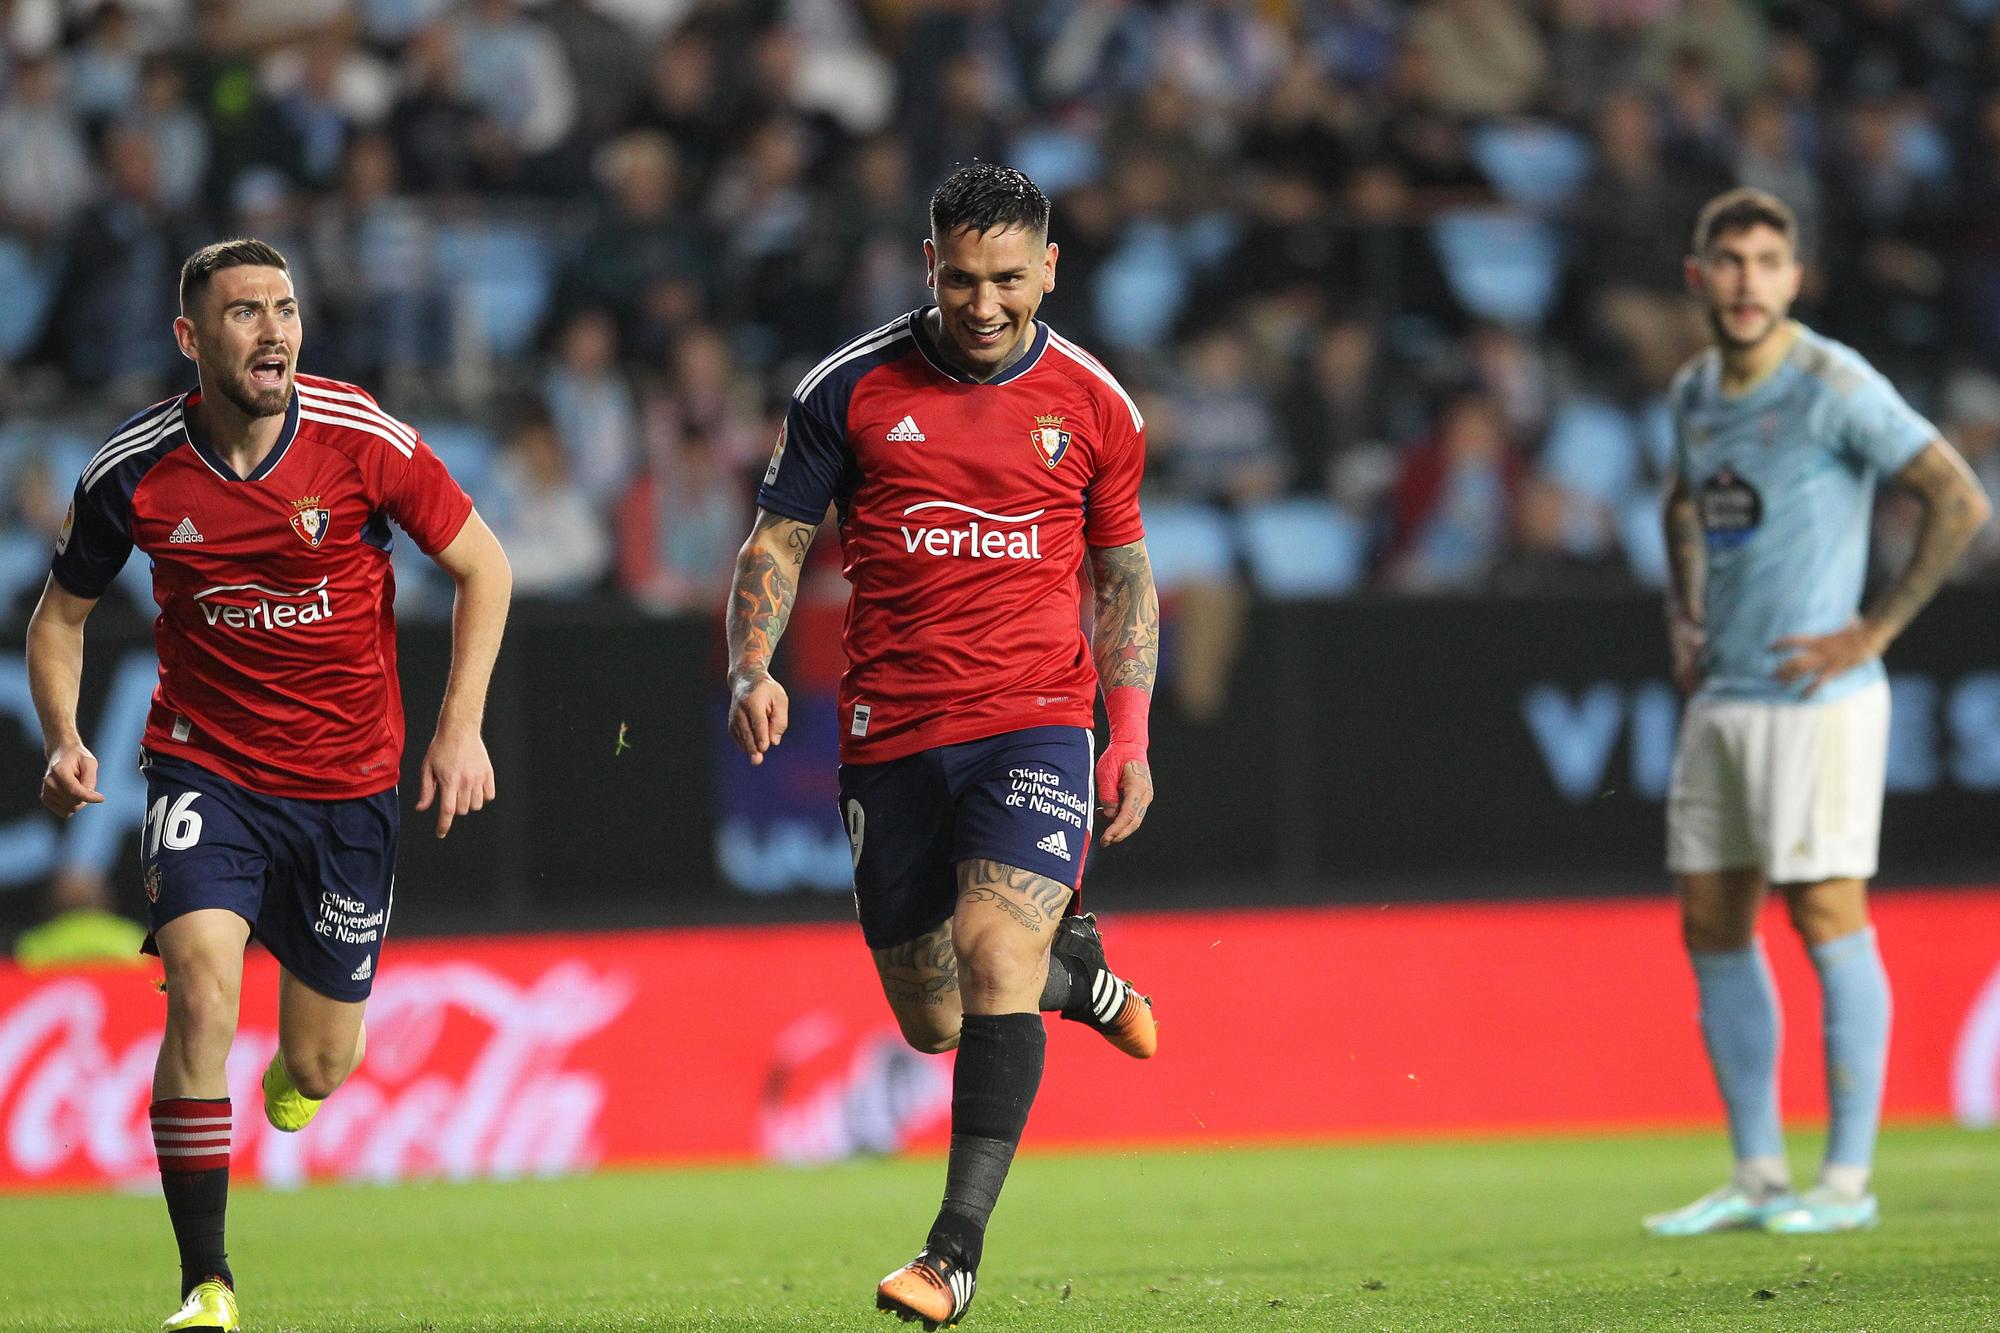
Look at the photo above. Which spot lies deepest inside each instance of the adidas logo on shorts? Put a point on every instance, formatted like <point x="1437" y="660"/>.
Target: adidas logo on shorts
<point x="1056" y="845"/>
<point x="906" y="429"/>
<point x="366" y="970"/>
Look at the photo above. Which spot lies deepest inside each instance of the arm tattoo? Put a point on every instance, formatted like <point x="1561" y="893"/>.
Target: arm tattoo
<point x="1126" y="641"/>
<point x="1954" y="507"/>
<point x="767" y="580"/>
<point x="1032" y="900"/>
<point x="923" y="971"/>
<point x="1687" y="551"/>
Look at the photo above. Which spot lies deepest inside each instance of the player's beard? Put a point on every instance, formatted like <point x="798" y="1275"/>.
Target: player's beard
<point x="253" y="401"/>
<point x="1720" y="328"/>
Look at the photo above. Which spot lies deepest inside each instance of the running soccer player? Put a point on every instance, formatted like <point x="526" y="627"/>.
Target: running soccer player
<point x="1780" y="438"/>
<point x="977" y="460"/>
<point x="263" y="499"/>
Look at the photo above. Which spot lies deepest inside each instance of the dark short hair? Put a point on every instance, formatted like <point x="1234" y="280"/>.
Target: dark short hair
<point x="1739" y="210"/>
<point x="210" y="260"/>
<point x="983" y="195"/>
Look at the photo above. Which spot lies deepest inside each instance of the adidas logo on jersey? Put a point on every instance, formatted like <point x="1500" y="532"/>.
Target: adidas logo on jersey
<point x="366" y="970"/>
<point x="906" y="429"/>
<point x="1055" y="845"/>
<point x="187" y="532"/>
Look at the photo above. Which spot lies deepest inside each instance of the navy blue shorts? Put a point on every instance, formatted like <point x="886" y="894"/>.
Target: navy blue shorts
<point x="1022" y="798"/>
<point x="315" y="879"/>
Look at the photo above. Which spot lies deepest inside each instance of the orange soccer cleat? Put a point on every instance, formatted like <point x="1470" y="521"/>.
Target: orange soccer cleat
<point x="935" y="1288"/>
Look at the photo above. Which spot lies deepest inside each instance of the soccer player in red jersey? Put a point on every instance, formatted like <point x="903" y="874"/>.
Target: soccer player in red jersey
<point x="976" y="460"/>
<point x="263" y="499"/>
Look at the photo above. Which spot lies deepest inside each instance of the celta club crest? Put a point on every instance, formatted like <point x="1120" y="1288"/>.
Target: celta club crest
<point x="1050" y="439"/>
<point x="310" y="519"/>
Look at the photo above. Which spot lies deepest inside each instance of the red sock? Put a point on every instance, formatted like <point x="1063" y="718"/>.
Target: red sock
<point x="191" y="1138"/>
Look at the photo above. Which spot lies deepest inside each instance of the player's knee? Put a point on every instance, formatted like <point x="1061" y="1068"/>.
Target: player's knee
<point x="930" y="1039"/>
<point x="1715" y="934"/>
<point x="992" y="971"/>
<point x="317" y="1070"/>
<point x="201" y="1011"/>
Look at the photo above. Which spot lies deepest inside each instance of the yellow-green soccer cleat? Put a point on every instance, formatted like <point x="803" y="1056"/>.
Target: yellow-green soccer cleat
<point x="288" y="1109"/>
<point x="211" y="1305"/>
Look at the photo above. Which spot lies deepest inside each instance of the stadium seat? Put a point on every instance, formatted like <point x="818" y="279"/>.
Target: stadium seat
<point x="1535" y="165"/>
<point x="1592" y="453"/>
<point x="1140" y="287"/>
<point x="1501" y="266"/>
<point x="467" y="451"/>
<point x="1188" y="543"/>
<point x="1303" y="548"/>
<point x="24" y="566"/>
<point x="501" y="276"/>
<point x="29" y="283"/>
<point x="1057" y="158"/>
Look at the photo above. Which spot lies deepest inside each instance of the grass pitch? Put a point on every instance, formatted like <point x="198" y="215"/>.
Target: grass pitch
<point x="1538" y="1234"/>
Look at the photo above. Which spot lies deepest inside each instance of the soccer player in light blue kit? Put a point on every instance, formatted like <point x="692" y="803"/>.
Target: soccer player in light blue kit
<point x="1780" y="437"/>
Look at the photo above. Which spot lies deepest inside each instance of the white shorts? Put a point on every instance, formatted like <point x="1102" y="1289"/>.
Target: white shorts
<point x="1791" y="789"/>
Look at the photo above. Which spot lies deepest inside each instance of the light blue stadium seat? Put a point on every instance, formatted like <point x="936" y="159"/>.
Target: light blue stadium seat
<point x="504" y="275"/>
<point x="24" y="567"/>
<point x="1534" y="165"/>
<point x="1304" y="548"/>
<point x="1057" y="158"/>
<point x="26" y="285"/>
<point x="1187" y="543"/>
<point x="1139" y="289"/>
<point x="1501" y="266"/>
<point x="467" y="451"/>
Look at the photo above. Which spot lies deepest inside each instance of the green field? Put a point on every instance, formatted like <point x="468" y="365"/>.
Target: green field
<point x="1537" y="1234"/>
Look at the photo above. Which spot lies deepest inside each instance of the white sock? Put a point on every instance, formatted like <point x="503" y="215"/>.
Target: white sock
<point x="1850" y="1182"/>
<point x="1762" y="1177"/>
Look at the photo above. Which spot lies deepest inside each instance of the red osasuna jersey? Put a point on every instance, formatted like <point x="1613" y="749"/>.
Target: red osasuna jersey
<point x="964" y="511"/>
<point x="276" y="640"/>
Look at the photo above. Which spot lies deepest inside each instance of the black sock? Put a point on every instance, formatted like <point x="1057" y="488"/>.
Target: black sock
<point x="994" y="1083"/>
<point x="191" y="1138"/>
<point x="1064" y="989"/>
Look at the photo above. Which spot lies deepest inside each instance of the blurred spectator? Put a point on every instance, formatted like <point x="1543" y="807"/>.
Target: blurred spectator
<point x="596" y="417"/>
<point x="324" y="91"/>
<point x="1768" y="157"/>
<point x="1341" y="414"/>
<point x="1888" y="296"/>
<point x="512" y="68"/>
<point x="45" y="174"/>
<point x="1624" y="254"/>
<point x="1976" y="230"/>
<point x="178" y="133"/>
<point x="641" y="238"/>
<point x="1727" y="38"/>
<point x="373" y="250"/>
<point x="881" y="233"/>
<point x="104" y="71"/>
<point x="964" y="123"/>
<point x="679" y="526"/>
<point x="435" y="128"/>
<point x="777" y="267"/>
<point x="116" y="302"/>
<point x="555" y="535"/>
<point x="1227" y="447"/>
<point x="684" y="102"/>
<point x="1481" y="57"/>
<point x="1453" y="502"/>
<point x="1697" y="132"/>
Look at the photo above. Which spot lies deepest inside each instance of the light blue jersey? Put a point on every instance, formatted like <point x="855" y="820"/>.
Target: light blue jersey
<point x="1784" y="479"/>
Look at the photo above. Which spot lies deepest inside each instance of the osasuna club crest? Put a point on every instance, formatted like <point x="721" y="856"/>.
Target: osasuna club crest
<point x="1050" y="439"/>
<point x="310" y="519"/>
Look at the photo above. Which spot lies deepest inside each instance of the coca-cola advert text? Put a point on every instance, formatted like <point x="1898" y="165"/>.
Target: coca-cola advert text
<point x="535" y="1055"/>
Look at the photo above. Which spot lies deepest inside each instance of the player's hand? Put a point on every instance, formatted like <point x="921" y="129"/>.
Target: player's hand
<point x="70" y="781"/>
<point x="457" y="775"/>
<point x="1818" y="658"/>
<point x="759" y="713"/>
<point x="1686" y="637"/>
<point x="1124" y="791"/>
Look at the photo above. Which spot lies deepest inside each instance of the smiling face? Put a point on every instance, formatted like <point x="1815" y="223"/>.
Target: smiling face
<point x="989" y="284"/>
<point x="1747" y="278"/>
<point x="243" y="332"/>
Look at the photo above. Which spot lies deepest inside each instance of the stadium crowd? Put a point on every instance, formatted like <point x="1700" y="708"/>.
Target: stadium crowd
<point x="1398" y="286"/>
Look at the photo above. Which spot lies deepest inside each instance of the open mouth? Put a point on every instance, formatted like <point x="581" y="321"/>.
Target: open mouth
<point x="985" y="335"/>
<point x="268" y="372"/>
